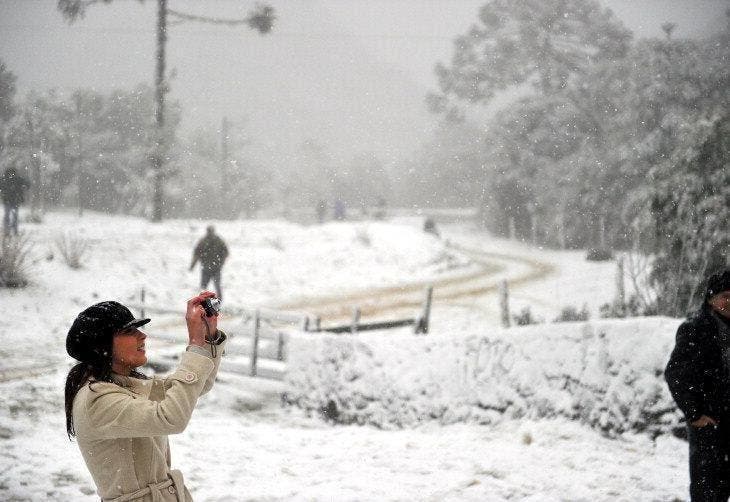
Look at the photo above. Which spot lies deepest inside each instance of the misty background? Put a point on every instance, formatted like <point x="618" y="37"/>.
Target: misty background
<point x="562" y="122"/>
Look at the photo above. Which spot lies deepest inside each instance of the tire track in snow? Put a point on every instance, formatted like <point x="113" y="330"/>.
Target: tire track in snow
<point x="493" y="267"/>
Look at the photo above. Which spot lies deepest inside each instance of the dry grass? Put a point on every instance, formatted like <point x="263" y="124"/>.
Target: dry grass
<point x="15" y="261"/>
<point x="73" y="250"/>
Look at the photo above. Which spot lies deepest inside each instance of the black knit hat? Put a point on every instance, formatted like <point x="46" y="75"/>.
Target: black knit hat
<point x="717" y="283"/>
<point x="90" y="336"/>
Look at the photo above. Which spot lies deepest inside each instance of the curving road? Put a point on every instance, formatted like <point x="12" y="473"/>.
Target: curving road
<point x="492" y="268"/>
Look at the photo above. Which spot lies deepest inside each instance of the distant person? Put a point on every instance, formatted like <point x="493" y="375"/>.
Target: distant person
<point x="381" y="209"/>
<point x="698" y="375"/>
<point x="321" y="211"/>
<point x="364" y="209"/>
<point x="120" y="418"/>
<point x="339" y="210"/>
<point x="12" y="189"/>
<point x="212" y="252"/>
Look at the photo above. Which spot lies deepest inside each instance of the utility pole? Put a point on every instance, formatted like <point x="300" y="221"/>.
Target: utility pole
<point x="223" y="203"/>
<point x="224" y="155"/>
<point x="160" y="88"/>
<point x="79" y="155"/>
<point x="35" y="169"/>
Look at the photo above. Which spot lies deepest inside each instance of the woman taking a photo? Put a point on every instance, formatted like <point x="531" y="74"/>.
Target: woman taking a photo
<point x="120" y="418"/>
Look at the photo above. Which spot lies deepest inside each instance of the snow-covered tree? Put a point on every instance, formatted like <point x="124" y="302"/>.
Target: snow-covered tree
<point x="538" y="57"/>
<point x="541" y="43"/>
<point x="86" y="149"/>
<point x="680" y="127"/>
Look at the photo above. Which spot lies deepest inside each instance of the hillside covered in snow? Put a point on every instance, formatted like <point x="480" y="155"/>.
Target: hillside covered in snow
<point x="469" y="412"/>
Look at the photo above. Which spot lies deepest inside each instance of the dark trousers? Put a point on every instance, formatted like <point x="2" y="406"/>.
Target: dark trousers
<point x="10" y="219"/>
<point x="709" y="463"/>
<point x="205" y="277"/>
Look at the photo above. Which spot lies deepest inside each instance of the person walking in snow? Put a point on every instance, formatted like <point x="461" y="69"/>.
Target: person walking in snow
<point x="698" y="375"/>
<point x="321" y="210"/>
<point x="339" y="211"/>
<point x="119" y="417"/>
<point x="212" y="252"/>
<point x="12" y="190"/>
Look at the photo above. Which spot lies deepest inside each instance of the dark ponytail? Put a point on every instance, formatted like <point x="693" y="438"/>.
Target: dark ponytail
<point x="77" y="378"/>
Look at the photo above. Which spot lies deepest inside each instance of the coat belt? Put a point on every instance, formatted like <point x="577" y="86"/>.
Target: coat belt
<point x="154" y="489"/>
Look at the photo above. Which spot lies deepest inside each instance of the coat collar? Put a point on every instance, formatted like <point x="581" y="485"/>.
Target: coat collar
<point x="131" y="383"/>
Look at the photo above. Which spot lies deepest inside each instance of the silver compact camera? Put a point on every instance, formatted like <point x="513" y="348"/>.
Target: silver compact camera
<point x="211" y="306"/>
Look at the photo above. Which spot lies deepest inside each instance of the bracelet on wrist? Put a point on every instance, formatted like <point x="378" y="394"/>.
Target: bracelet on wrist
<point x="216" y="339"/>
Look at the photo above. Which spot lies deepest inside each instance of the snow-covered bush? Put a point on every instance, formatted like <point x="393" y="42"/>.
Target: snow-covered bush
<point x="73" y="249"/>
<point x="571" y="313"/>
<point x="607" y="374"/>
<point x="15" y="261"/>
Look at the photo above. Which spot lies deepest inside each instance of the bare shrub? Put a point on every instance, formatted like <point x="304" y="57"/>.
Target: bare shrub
<point x="599" y="254"/>
<point x="73" y="249"/>
<point x="526" y="317"/>
<point x="572" y="314"/>
<point x="15" y="261"/>
<point x="363" y="236"/>
<point x="633" y="308"/>
<point x="275" y="242"/>
<point x="638" y="267"/>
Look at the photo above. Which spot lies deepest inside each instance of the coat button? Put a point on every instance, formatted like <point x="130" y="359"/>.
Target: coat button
<point x="189" y="377"/>
<point x="171" y="489"/>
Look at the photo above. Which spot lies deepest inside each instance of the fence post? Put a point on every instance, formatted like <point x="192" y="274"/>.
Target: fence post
<point x="141" y="301"/>
<point x="280" y="347"/>
<point x="305" y="323"/>
<point x="504" y="303"/>
<point x="422" y="322"/>
<point x="355" y="320"/>
<point x="533" y="227"/>
<point x="318" y="324"/>
<point x="620" y="289"/>
<point x="255" y="342"/>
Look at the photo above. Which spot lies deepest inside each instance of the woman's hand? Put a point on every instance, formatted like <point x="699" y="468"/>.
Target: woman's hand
<point x="196" y="319"/>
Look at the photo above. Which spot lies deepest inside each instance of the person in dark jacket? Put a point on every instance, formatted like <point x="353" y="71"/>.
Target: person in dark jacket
<point x="698" y="375"/>
<point x="12" y="191"/>
<point x="212" y="252"/>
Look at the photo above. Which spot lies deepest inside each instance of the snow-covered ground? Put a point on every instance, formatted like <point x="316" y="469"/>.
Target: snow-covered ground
<point x="241" y="444"/>
<point x="230" y="453"/>
<point x="271" y="262"/>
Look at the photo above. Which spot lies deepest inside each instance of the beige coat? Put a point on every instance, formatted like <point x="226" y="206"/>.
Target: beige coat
<point x="122" y="428"/>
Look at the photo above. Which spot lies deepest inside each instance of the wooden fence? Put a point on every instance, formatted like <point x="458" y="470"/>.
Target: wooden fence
<point x="420" y="322"/>
<point x="274" y="326"/>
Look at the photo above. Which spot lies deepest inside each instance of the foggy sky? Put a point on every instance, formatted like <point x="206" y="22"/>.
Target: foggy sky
<point x="351" y="74"/>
